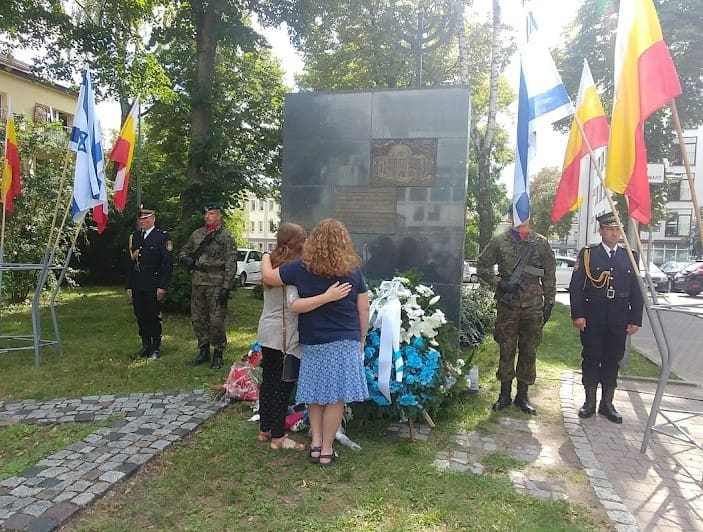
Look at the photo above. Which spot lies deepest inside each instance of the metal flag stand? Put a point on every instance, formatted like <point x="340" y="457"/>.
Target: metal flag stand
<point x="22" y="342"/>
<point x="661" y="338"/>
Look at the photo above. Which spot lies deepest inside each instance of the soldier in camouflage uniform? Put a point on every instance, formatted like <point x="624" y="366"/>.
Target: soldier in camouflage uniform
<point x="211" y="253"/>
<point x="525" y="292"/>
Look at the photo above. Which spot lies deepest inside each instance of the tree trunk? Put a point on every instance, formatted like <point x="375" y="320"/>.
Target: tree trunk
<point x="484" y="142"/>
<point x="207" y="19"/>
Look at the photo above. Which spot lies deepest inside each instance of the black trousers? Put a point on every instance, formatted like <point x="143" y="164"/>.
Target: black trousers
<point x="147" y="310"/>
<point x="603" y="342"/>
<point x="274" y="394"/>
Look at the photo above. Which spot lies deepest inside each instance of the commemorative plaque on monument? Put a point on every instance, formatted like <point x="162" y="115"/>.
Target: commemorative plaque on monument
<point x="392" y="165"/>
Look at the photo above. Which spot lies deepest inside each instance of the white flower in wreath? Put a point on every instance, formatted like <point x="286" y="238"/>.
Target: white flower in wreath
<point x="424" y="291"/>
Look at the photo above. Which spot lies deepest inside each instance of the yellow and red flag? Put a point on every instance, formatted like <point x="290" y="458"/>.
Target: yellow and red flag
<point x="11" y="168"/>
<point x="590" y="113"/>
<point x="645" y="80"/>
<point x="122" y="153"/>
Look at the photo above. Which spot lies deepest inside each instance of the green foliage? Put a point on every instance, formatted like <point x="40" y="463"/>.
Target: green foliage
<point x="543" y="189"/>
<point x="178" y="295"/>
<point x="42" y="148"/>
<point x="478" y="314"/>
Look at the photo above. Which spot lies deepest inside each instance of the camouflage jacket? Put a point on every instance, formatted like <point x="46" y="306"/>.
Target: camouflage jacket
<point x="217" y="264"/>
<point x="504" y="250"/>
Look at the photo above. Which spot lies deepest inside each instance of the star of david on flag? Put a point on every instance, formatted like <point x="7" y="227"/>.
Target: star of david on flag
<point x="89" y="185"/>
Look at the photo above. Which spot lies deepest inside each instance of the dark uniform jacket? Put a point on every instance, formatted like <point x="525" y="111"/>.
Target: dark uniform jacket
<point x="150" y="264"/>
<point x="620" y="293"/>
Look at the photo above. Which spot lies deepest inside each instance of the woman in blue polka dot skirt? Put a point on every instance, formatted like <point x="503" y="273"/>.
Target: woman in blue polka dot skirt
<point x="331" y="333"/>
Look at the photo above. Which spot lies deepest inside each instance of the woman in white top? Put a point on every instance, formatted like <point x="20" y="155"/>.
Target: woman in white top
<point x="278" y="324"/>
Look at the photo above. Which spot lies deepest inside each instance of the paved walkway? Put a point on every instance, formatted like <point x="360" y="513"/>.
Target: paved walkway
<point x="661" y="489"/>
<point x="46" y="495"/>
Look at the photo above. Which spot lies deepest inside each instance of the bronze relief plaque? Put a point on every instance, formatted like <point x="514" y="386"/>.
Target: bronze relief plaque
<point x="404" y="162"/>
<point x="369" y="210"/>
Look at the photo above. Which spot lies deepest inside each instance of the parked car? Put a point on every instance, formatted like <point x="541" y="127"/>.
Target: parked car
<point x="671" y="268"/>
<point x="659" y="278"/>
<point x="248" y="266"/>
<point x="565" y="265"/>
<point x="690" y="279"/>
<point x="470" y="275"/>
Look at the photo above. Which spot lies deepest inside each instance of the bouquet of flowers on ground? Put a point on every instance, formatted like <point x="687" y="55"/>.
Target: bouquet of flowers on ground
<point x="409" y="366"/>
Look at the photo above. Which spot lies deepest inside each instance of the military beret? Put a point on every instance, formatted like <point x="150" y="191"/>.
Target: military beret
<point x="146" y="210"/>
<point x="212" y="206"/>
<point x="607" y="220"/>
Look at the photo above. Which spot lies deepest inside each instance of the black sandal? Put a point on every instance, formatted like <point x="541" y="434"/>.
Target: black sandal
<point x="315" y="459"/>
<point x="331" y="457"/>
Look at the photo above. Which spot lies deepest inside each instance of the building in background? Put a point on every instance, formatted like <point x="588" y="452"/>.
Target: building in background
<point x="672" y="238"/>
<point x="38" y="100"/>
<point x="262" y="217"/>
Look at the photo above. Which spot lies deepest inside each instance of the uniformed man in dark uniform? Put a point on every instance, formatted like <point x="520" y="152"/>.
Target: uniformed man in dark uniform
<point x="149" y="273"/>
<point x="606" y="306"/>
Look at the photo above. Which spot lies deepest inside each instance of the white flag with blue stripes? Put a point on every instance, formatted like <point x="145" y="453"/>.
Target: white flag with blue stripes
<point x="542" y="99"/>
<point x="89" y="185"/>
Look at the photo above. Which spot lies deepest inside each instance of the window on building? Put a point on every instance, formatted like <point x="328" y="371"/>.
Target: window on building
<point x="261" y="246"/>
<point x="270" y="205"/>
<point x="252" y="227"/>
<point x="3" y="106"/>
<point x="272" y="226"/>
<point x="678" y="189"/>
<point x="253" y="205"/>
<point x="261" y="226"/>
<point x="690" y="144"/>
<point x="261" y="205"/>
<point x="678" y="223"/>
<point x="271" y="245"/>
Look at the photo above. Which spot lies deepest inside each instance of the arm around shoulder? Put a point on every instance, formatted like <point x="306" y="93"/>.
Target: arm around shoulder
<point x="270" y="275"/>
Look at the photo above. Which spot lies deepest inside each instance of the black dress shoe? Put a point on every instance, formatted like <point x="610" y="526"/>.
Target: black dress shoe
<point x="155" y="354"/>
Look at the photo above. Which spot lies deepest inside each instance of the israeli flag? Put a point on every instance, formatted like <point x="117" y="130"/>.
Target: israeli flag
<point x="542" y="98"/>
<point x="89" y="185"/>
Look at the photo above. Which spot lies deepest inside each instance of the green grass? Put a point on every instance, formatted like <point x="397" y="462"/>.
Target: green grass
<point x="22" y="446"/>
<point x="221" y="478"/>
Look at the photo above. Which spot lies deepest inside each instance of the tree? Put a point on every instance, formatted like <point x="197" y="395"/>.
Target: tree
<point x="592" y="35"/>
<point x="543" y="188"/>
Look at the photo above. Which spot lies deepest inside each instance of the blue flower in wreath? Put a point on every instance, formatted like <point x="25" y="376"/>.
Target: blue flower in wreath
<point x="379" y="399"/>
<point x="418" y="342"/>
<point x="396" y="386"/>
<point x="413" y="359"/>
<point x="427" y="376"/>
<point x="373" y="338"/>
<point x="407" y="400"/>
<point x="432" y="359"/>
<point x="409" y="378"/>
<point x="370" y="352"/>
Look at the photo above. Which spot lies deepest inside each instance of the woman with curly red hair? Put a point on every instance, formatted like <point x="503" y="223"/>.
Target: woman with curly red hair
<point x="332" y="333"/>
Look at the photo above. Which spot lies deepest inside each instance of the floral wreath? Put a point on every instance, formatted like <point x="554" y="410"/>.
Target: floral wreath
<point x="419" y="377"/>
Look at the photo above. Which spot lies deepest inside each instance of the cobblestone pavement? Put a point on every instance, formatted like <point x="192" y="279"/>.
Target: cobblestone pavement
<point x="46" y="495"/>
<point x="660" y="489"/>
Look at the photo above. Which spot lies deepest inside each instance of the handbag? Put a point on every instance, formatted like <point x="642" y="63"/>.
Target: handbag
<point x="291" y="363"/>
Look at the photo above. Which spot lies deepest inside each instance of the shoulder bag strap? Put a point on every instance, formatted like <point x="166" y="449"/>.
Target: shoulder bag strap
<point x="283" y="318"/>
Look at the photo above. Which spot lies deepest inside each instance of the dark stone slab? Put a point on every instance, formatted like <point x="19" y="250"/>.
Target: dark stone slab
<point x="18" y="522"/>
<point x="393" y="166"/>
<point x="128" y="468"/>
<point x="60" y="512"/>
<point x="43" y="524"/>
<point x="86" y="417"/>
<point x="49" y="483"/>
<point x="32" y="471"/>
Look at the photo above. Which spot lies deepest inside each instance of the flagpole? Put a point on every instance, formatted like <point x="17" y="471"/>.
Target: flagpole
<point x="687" y="165"/>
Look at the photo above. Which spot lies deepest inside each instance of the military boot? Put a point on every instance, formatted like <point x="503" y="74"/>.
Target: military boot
<point x="203" y="356"/>
<point x="522" y="401"/>
<point x="217" y="359"/>
<point x="504" y="398"/>
<point x="606" y="407"/>
<point x="145" y="351"/>
<point x="589" y="405"/>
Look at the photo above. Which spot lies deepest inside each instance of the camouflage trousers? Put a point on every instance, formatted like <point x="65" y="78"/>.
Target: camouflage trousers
<point x="518" y="329"/>
<point x="208" y="316"/>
